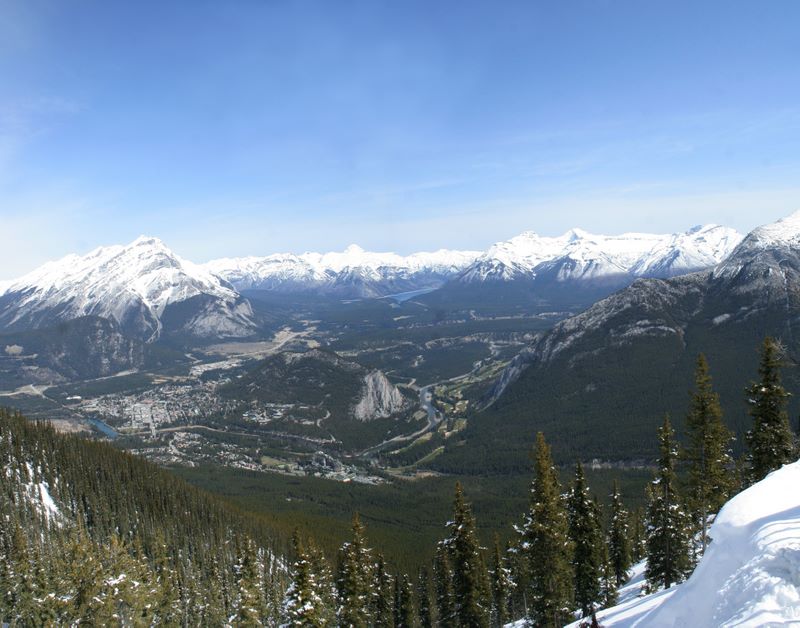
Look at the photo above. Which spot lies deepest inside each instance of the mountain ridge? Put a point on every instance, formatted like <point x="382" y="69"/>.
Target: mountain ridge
<point x="618" y="366"/>
<point x="135" y="285"/>
<point x="575" y="255"/>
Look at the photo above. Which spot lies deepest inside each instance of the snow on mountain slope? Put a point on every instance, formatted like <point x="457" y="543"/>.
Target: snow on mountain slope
<point x="134" y="285"/>
<point x="576" y="255"/>
<point x="698" y="248"/>
<point x="784" y="231"/>
<point x="353" y="271"/>
<point x="579" y="255"/>
<point x="773" y="247"/>
<point x="750" y="574"/>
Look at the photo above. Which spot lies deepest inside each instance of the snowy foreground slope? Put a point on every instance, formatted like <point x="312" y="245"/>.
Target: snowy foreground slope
<point x="750" y="574"/>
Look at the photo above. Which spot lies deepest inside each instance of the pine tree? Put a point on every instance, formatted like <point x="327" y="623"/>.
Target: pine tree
<point x="445" y="599"/>
<point x="355" y="583"/>
<point x="383" y="595"/>
<point x="544" y="546"/>
<point x="405" y="613"/>
<point x="608" y="579"/>
<point x="324" y="585"/>
<point x="468" y="568"/>
<point x="619" y="543"/>
<point x="502" y="586"/>
<point x="638" y="535"/>
<point x="586" y="535"/>
<point x="668" y="526"/>
<point x="303" y="604"/>
<point x="424" y="598"/>
<point x="770" y="441"/>
<point x="710" y="477"/>
<point x="251" y="586"/>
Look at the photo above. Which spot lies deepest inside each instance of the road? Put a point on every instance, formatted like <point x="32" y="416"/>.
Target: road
<point x="434" y="419"/>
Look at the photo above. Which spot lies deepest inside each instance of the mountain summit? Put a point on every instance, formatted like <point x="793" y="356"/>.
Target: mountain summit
<point x="143" y="286"/>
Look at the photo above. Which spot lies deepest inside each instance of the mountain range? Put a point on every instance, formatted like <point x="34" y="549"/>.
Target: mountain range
<point x="617" y="367"/>
<point x="151" y="293"/>
<point x="576" y="256"/>
<point x="351" y="273"/>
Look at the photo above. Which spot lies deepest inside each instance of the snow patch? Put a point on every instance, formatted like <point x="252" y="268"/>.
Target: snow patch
<point x="750" y="574"/>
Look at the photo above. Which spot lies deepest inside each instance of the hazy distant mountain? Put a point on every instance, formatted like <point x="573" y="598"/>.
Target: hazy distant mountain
<point x="598" y="383"/>
<point x="351" y="273"/>
<point x="597" y="261"/>
<point x="144" y="287"/>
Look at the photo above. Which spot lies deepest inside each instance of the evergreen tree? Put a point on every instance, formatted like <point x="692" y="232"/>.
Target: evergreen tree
<point x="544" y="546"/>
<point x="303" y="604"/>
<point x="770" y="441"/>
<point x="251" y="586"/>
<point x="424" y="598"/>
<point x="608" y="579"/>
<point x="619" y="543"/>
<point x="668" y="527"/>
<point x="638" y="535"/>
<point x="354" y="583"/>
<point x="469" y="575"/>
<point x="586" y="535"/>
<point x="445" y="599"/>
<point x="405" y="613"/>
<point x="502" y="586"/>
<point x="384" y="595"/>
<point x="711" y="473"/>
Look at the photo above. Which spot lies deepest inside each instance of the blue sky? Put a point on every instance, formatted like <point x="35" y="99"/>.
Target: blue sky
<point x="250" y="127"/>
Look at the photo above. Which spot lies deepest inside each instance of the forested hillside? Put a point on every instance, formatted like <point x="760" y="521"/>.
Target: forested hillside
<point x="93" y="534"/>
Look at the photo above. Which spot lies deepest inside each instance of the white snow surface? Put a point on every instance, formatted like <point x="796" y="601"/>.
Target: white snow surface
<point x="112" y="280"/>
<point x="749" y="575"/>
<point x="579" y="254"/>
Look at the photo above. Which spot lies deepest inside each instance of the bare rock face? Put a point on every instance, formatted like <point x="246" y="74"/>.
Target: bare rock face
<point x="379" y="398"/>
<point x="83" y="348"/>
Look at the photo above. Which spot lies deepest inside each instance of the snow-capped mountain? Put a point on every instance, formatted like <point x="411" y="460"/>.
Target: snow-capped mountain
<point x="575" y="256"/>
<point x="625" y="360"/>
<point x="748" y="575"/>
<point x="581" y="256"/>
<point x="353" y="272"/>
<point x="144" y="287"/>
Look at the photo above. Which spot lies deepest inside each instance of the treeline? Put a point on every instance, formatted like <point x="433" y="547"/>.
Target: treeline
<point x="565" y="556"/>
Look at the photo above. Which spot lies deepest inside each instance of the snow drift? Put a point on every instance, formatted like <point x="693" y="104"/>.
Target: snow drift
<point x="750" y="574"/>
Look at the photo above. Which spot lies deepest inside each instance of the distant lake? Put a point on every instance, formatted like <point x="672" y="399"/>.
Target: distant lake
<point x="105" y="428"/>
<point x="405" y="296"/>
